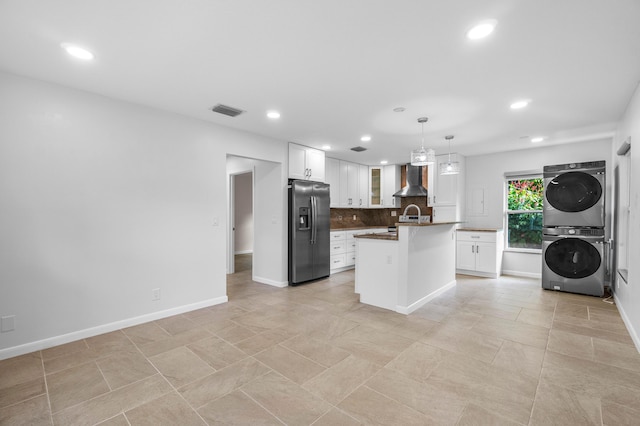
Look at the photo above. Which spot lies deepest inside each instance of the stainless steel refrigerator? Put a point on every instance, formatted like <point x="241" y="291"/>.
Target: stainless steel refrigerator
<point x="309" y="220"/>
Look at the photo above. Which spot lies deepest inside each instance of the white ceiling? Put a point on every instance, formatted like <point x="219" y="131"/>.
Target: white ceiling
<point x="336" y="69"/>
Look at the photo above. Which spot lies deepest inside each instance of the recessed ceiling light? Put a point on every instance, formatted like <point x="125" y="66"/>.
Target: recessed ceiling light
<point x="520" y="104"/>
<point x="482" y="29"/>
<point x="384" y="162"/>
<point x="77" y="51"/>
<point x="399" y="109"/>
<point x="326" y="147"/>
<point x="273" y="115"/>
<point x="365" y="138"/>
<point x="537" y="139"/>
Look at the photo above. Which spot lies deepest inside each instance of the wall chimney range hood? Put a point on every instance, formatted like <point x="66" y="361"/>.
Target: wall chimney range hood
<point x="414" y="186"/>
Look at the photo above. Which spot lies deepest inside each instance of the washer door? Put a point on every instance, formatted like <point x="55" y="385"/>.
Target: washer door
<point x="573" y="192"/>
<point x="572" y="258"/>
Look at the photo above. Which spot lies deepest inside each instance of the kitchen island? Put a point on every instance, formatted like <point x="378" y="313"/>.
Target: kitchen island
<point x="402" y="272"/>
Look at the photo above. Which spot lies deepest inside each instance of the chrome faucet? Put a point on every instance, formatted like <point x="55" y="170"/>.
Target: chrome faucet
<point x="412" y="205"/>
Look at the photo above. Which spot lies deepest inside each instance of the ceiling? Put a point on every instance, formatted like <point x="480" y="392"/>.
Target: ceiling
<point x="336" y="69"/>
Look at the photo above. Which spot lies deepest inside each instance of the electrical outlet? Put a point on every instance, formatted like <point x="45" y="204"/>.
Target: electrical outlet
<point x="155" y="294"/>
<point x="355" y="217"/>
<point x="216" y="221"/>
<point x="8" y="323"/>
<point x="339" y="217"/>
<point x="389" y="260"/>
<point x="394" y="213"/>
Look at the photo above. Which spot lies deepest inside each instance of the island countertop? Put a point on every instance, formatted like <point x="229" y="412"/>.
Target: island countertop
<point x="393" y="236"/>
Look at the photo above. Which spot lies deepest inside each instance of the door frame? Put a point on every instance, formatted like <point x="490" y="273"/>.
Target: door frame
<point x="231" y="243"/>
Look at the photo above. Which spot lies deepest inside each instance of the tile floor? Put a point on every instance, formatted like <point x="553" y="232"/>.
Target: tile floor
<point x="487" y="352"/>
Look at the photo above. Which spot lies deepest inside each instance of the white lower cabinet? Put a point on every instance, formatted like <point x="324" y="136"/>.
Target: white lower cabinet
<point x="479" y="253"/>
<point x="343" y="247"/>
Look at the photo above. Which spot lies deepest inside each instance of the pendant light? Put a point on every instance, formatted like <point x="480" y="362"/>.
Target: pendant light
<point x="450" y="168"/>
<point x="421" y="156"/>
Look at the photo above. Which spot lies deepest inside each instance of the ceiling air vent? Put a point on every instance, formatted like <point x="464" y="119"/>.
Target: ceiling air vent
<point x="358" y="149"/>
<point x="227" y="110"/>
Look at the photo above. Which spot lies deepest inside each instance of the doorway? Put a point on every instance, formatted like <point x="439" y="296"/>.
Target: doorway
<point x="242" y="225"/>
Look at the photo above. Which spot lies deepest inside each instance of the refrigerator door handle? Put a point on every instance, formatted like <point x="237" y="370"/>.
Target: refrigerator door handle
<point x="313" y="219"/>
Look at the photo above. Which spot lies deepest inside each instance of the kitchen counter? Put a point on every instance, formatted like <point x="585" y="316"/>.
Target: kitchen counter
<point x="403" y="272"/>
<point x="394" y="235"/>
<point x="480" y="229"/>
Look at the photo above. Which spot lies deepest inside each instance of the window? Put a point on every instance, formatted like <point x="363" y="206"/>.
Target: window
<point x="525" y="196"/>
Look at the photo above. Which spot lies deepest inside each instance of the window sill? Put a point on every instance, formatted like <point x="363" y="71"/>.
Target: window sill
<point x="523" y="250"/>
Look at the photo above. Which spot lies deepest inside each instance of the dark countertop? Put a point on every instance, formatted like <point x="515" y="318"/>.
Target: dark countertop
<point x="357" y="228"/>
<point x="425" y="224"/>
<point x="391" y="236"/>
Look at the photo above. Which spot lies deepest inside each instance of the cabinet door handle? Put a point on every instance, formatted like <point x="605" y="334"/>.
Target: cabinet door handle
<point x="477" y="248"/>
<point x="472" y="249"/>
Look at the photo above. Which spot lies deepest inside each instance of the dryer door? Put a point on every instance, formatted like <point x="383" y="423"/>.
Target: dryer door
<point x="572" y="258"/>
<point x="573" y="192"/>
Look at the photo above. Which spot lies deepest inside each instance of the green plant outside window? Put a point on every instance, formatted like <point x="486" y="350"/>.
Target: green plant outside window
<point x="524" y="213"/>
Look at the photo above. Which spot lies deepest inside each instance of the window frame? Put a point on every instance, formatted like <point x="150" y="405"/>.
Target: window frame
<point x="528" y="175"/>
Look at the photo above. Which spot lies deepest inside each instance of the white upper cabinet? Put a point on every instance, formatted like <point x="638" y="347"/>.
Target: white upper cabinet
<point x="390" y="185"/>
<point x="445" y="191"/>
<point x="349" y="184"/>
<point x="363" y="186"/>
<point x="306" y="163"/>
<point x="333" y="179"/>
<point x="375" y="186"/>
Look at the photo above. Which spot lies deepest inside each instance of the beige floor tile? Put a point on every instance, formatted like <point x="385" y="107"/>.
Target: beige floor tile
<point x="527" y="334"/>
<point x="371" y="345"/>
<point x="418" y="361"/>
<point x="21" y="378"/>
<point x="172" y="342"/>
<point x="474" y="415"/>
<point x="413" y="328"/>
<point x="576" y="345"/>
<point x="32" y="412"/>
<point x="337" y="382"/>
<point x="534" y="303"/>
<point x="493" y="309"/>
<point x="440" y="406"/>
<point x="616" y="415"/>
<point x="216" y="352"/>
<point x="370" y="407"/>
<point x="519" y="358"/>
<point x="567" y="309"/>
<point x="125" y="367"/>
<point x="463" y="341"/>
<point x="316" y="350"/>
<point x="606" y="375"/>
<point x="146" y="333"/>
<point x="75" y="385"/>
<point x="119" y="420"/>
<point x="67" y="348"/>
<point x="108" y="343"/>
<point x="169" y="409"/>
<point x="235" y="333"/>
<point x="619" y="355"/>
<point x="223" y="381"/>
<point x="593" y="332"/>
<point x="334" y="328"/>
<point x="262" y="341"/>
<point x="72" y="359"/>
<point x="433" y="312"/>
<point x="556" y="405"/>
<point x="293" y="366"/>
<point x="285" y="399"/>
<point x="535" y="317"/>
<point x="176" y="324"/>
<point x="236" y="408"/>
<point x="336" y="417"/>
<point x="462" y="319"/>
<point x="180" y="366"/>
<point x="109" y="405"/>
<point x="602" y="324"/>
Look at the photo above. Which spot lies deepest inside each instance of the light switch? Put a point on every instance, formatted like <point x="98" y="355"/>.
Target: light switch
<point x="8" y="323"/>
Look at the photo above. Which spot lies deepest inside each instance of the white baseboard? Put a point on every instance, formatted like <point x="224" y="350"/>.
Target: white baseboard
<point x="270" y="281"/>
<point x="105" y="328"/>
<point x="406" y="310"/>
<point x="627" y="323"/>
<point x="522" y="274"/>
<point x="244" y="252"/>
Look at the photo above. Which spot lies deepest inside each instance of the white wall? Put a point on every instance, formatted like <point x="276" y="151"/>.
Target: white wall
<point x="103" y="201"/>
<point x="243" y="213"/>
<point x="487" y="172"/>
<point x="627" y="295"/>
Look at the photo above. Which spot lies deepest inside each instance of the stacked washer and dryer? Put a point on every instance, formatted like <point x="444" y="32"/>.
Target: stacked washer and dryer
<point x="573" y="234"/>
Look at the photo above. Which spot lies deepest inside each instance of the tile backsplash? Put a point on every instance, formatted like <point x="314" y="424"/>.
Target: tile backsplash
<point x="344" y="218"/>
